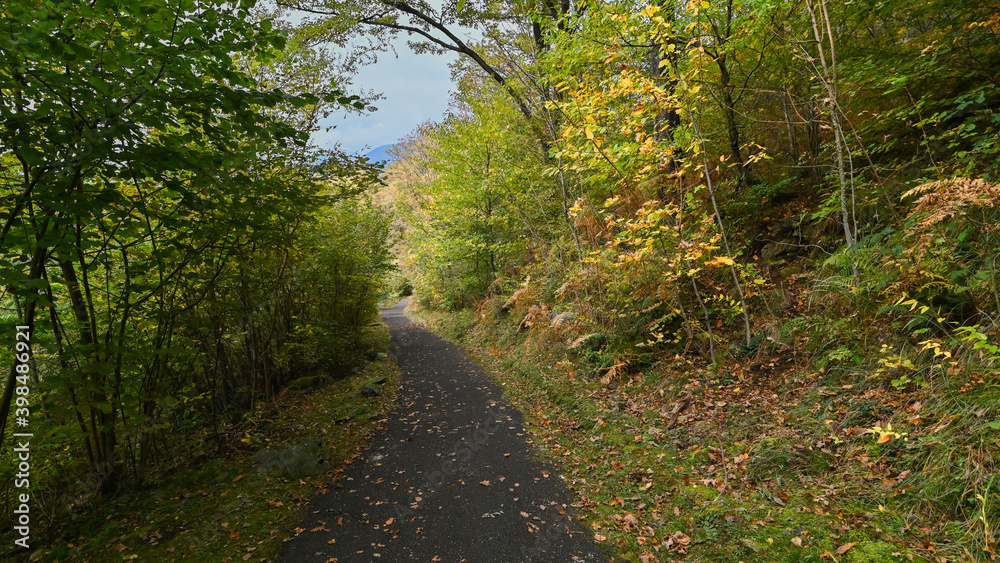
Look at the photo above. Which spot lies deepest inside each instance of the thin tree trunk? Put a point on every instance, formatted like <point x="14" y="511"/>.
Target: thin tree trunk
<point x="830" y="81"/>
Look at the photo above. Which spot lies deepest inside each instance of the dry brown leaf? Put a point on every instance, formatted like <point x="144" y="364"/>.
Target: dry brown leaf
<point x="843" y="549"/>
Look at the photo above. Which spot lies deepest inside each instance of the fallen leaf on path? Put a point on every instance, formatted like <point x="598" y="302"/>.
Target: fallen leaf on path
<point x="843" y="549"/>
<point x="678" y="542"/>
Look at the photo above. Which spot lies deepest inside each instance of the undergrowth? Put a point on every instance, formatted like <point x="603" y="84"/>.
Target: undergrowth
<point x="214" y="505"/>
<point x="828" y="443"/>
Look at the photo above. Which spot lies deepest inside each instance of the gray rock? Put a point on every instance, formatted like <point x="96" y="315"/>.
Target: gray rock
<point x="774" y="250"/>
<point x="300" y="460"/>
<point x="380" y="381"/>
<point x="369" y="390"/>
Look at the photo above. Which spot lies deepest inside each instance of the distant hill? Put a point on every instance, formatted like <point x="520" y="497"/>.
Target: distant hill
<point x="380" y="154"/>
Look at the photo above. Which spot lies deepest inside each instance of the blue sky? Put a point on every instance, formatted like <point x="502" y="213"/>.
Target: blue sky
<point x="416" y="89"/>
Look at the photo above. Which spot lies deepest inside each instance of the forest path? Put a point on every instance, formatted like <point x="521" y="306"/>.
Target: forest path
<point x="450" y="478"/>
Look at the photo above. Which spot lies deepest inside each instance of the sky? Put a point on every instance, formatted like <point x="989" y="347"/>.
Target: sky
<point x="416" y="89"/>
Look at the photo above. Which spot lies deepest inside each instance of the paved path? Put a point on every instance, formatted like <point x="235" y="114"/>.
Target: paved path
<point x="449" y="479"/>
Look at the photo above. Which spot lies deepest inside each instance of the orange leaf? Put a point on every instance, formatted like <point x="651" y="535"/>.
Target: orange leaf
<point x="843" y="549"/>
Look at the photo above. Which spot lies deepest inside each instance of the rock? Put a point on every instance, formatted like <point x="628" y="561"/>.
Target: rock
<point x="774" y="250"/>
<point x="383" y="356"/>
<point x="300" y="460"/>
<point x="369" y="390"/>
<point x="355" y="370"/>
<point x="790" y="271"/>
<point x="380" y="381"/>
<point x="306" y="384"/>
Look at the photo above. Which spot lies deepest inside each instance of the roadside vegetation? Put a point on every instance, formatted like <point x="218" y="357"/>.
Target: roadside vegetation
<point x="214" y="505"/>
<point x="737" y="260"/>
<point x="180" y="258"/>
<point x="738" y="263"/>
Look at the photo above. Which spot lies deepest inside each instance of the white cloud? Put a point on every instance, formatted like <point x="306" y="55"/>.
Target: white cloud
<point x="416" y="89"/>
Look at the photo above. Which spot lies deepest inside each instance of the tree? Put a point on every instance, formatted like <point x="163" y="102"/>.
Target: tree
<point x="139" y="160"/>
<point x="377" y="22"/>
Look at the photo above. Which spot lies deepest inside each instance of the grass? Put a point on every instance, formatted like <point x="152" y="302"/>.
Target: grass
<point x="754" y="467"/>
<point x="219" y="508"/>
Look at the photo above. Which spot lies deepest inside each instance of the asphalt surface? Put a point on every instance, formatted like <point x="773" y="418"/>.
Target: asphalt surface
<point x="450" y="478"/>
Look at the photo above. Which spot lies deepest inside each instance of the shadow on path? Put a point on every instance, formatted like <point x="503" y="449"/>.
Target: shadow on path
<point x="449" y="479"/>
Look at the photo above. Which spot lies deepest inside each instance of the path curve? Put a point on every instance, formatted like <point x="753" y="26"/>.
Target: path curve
<point x="450" y="478"/>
